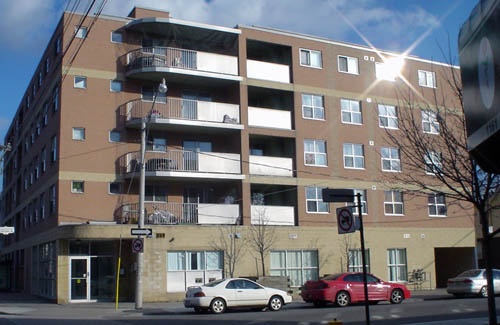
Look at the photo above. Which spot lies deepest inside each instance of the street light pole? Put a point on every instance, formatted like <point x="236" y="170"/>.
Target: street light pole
<point x="162" y="88"/>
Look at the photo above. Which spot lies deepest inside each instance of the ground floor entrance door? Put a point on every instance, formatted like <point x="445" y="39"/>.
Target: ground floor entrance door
<point x="79" y="278"/>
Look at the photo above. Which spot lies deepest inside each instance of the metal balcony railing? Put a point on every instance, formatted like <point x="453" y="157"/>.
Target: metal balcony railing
<point x="161" y="57"/>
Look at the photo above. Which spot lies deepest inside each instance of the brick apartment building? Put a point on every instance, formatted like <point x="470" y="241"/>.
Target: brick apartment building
<point x="255" y="123"/>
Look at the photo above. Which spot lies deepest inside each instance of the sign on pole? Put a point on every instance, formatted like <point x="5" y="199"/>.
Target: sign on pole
<point x="7" y="230"/>
<point x="138" y="245"/>
<point x="337" y="195"/>
<point x="345" y="220"/>
<point x="141" y="232"/>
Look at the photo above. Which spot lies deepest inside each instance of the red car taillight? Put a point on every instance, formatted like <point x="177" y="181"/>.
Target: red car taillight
<point x="199" y="294"/>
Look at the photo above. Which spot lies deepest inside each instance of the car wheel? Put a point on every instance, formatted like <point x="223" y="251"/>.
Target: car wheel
<point x="218" y="306"/>
<point x="484" y="292"/>
<point x="275" y="303"/>
<point x="397" y="296"/>
<point x="343" y="299"/>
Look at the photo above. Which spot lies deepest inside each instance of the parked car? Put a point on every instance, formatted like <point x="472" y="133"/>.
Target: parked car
<point x="219" y="295"/>
<point x="473" y="282"/>
<point x="346" y="288"/>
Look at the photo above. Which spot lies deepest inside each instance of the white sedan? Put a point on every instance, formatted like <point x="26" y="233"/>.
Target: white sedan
<point x="227" y="293"/>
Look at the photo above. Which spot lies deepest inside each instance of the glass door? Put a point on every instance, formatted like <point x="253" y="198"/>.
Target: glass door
<point x="79" y="278"/>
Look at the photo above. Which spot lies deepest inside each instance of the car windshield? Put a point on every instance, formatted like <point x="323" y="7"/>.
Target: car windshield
<point x="331" y="276"/>
<point x="470" y="274"/>
<point x="214" y="283"/>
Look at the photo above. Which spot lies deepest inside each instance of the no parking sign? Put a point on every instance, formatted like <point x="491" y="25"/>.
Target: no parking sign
<point x="345" y="220"/>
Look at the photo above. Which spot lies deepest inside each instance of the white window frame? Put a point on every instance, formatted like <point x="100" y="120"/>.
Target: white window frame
<point x="355" y="262"/>
<point x="109" y="188"/>
<point x="427" y="79"/>
<point x="364" y="202"/>
<point x="115" y="132"/>
<point x="350" y="111"/>
<point x="318" y="199"/>
<point x="78" y="134"/>
<point x="432" y="162"/>
<point x="117" y="33"/>
<point x="353" y="155"/>
<point x="388" y="117"/>
<point x="432" y="201"/>
<point x="348" y="59"/>
<point x="313" y="107"/>
<point x="81" y="32"/>
<point x="430" y="118"/>
<point x="302" y="267"/>
<point x="310" y="53"/>
<point x="80" y="82"/>
<point x="392" y="160"/>
<point x="76" y="190"/>
<point x="315" y="153"/>
<point x="118" y="82"/>
<point x="400" y="267"/>
<point x="393" y="203"/>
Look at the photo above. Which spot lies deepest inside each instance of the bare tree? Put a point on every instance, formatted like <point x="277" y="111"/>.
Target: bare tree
<point x="262" y="237"/>
<point x="432" y="139"/>
<point x="347" y="243"/>
<point x="233" y="244"/>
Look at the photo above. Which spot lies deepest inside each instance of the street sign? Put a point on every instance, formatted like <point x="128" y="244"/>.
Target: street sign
<point x="138" y="245"/>
<point x="141" y="232"/>
<point x="337" y="195"/>
<point x="345" y="220"/>
<point x="7" y="230"/>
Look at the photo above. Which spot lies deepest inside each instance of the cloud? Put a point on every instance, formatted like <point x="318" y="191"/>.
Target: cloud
<point x="386" y="27"/>
<point x="25" y="24"/>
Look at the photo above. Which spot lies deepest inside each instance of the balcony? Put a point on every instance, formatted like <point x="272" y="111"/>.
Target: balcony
<point x="268" y="71"/>
<point x="178" y="111"/>
<point x="184" y="164"/>
<point x="273" y="215"/>
<point x="166" y="213"/>
<point x="269" y="118"/>
<point x="142" y="62"/>
<point x="271" y="166"/>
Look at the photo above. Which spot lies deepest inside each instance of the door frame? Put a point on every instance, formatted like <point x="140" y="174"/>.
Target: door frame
<point x="88" y="280"/>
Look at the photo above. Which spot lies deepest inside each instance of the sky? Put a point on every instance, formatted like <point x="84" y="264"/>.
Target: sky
<point x="426" y="27"/>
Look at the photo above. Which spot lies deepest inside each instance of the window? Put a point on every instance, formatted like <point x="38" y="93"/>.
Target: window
<point x="156" y="193"/>
<point x="57" y="45"/>
<point x="354" y="156"/>
<point x="433" y="163"/>
<point x="356" y="260"/>
<point x="148" y="94"/>
<point x="387" y="116"/>
<point x="33" y="90"/>
<point x="180" y="264"/>
<point x="310" y="58"/>
<point x="384" y="71"/>
<point x="396" y="264"/>
<point x="116" y="37"/>
<point x="351" y="111"/>
<point x="47" y="65"/>
<point x="426" y="79"/>
<point x="44" y="159"/>
<point x="52" y="206"/>
<point x="157" y="144"/>
<point x="45" y="117"/>
<point x="37" y="168"/>
<point x="354" y="205"/>
<point x="55" y="98"/>
<point x="114" y="136"/>
<point x="53" y="149"/>
<point x="40" y="78"/>
<point x="300" y="266"/>
<point x="437" y="205"/>
<point x="393" y="203"/>
<point x="430" y="123"/>
<point x="77" y="186"/>
<point x="116" y="86"/>
<point x="79" y="134"/>
<point x="80" y="32"/>
<point x="80" y="82"/>
<point x="312" y="107"/>
<point x="27" y="102"/>
<point x="114" y="188"/>
<point x="42" y="206"/>
<point x="315" y="152"/>
<point x="390" y="159"/>
<point x="314" y="200"/>
<point x="348" y="64"/>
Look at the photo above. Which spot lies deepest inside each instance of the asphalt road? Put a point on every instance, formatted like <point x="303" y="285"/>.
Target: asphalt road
<point x="413" y="311"/>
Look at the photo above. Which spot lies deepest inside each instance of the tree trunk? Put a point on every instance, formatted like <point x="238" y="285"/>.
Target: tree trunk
<point x="263" y="266"/>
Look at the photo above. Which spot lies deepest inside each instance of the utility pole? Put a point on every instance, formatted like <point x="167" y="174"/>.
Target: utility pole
<point x="162" y="88"/>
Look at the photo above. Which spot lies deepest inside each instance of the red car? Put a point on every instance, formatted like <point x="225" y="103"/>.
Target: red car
<point x="346" y="288"/>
